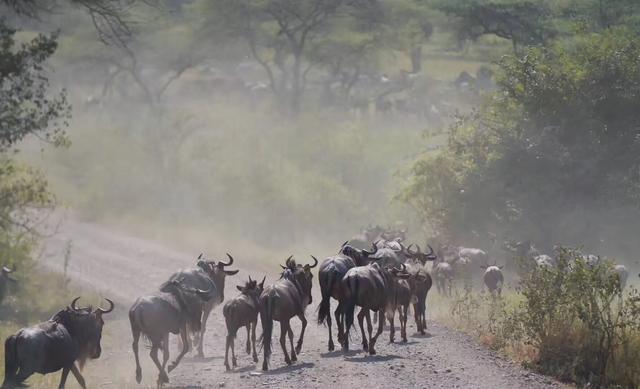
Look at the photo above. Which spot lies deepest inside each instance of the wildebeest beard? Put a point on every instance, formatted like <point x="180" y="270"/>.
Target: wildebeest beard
<point x="81" y="327"/>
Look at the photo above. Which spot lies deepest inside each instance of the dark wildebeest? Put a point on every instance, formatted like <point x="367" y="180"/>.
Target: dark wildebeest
<point x="331" y="271"/>
<point x="443" y="274"/>
<point x="242" y="311"/>
<point x="281" y="301"/>
<point x="170" y="310"/>
<point x="493" y="278"/>
<point x="71" y="335"/>
<point x="370" y="287"/>
<point x="5" y="279"/>
<point x="399" y="298"/>
<point x="420" y="282"/>
<point x="201" y="277"/>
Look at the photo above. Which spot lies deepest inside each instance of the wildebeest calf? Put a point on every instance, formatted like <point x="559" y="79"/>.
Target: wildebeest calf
<point x="71" y="335"/>
<point x="281" y="301"/>
<point x="164" y="312"/>
<point x="242" y="311"/>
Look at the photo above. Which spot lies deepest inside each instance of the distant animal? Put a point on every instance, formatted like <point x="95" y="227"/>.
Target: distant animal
<point x="169" y="310"/>
<point x="207" y="275"/>
<point x="621" y="274"/>
<point x="443" y="275"/>
<point x="286" y="298"/>
<point x="399" y="300"/>
<point x="371" y="288"/>
<point x="71" y="335"/>
<point x="420" y="281"/>
<point x="5" y="280"/>
<point x="366" y="237"/>
<point x="493" y="278"/>
<point x="242" y="311"/>
<point x="331" y="271"/>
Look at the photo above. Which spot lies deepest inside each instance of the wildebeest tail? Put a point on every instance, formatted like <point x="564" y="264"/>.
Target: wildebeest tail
<point x="266" y="317"/>
<point x="326" y="287"/>
<point x="10" y="362"/>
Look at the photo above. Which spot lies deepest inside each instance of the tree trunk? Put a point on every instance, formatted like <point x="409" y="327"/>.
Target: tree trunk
<point x="296" y="86"/>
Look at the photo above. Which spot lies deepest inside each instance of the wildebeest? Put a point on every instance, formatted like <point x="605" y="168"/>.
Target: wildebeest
<point x="369" y="287"/>
<point x="71" y="335"/>
<point x="493" y="278"/>
<point x="206" y="275"/>
<point x="242" y="311"/>
<point x="281" y="301"/>
<point x="420" y="282"/>
<point x="169" y="310"/>
<point x="331" y="271"/>
<point x="365" y="238"/>
<point x="443" y="274"/>
<point x="5" y="279"/>
<point x="399" y="298"/>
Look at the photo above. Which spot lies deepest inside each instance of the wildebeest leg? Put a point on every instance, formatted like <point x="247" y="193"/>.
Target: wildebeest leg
<point x="283" y="340"/>
<point x="233" y="352"/>
<point x="165" y="351"/>
<point x="369" y="326"/>
<point x="294" y="356"/>
<point x="392" y="326"/>
<point x="253" y="340"/>
<point x="185" y="349"/>
<point x="361" y="315"/>
<point x="303" y="320"/>
<point x="416" y="315"/>
<point x="331" y="345"/>
<point x="372" y="343"/>
<point x="162" y="375"/>
<point x="205" y="316"/>
<point x="249" y="339"/>
<point x="79" y="377"/>
<point x="134" y="345"/>
<point x="63" y="377"/>
<point x="403" y="323"/>
<point x="227" y="346"/>
<point x="339" y="322"/>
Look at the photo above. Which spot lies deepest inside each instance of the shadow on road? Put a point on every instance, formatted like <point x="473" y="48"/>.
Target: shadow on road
<point x="290" y="368"/>
<point x="340" y="353"/>
<point x="425" y="336"/>
<point x="374" y="358"/>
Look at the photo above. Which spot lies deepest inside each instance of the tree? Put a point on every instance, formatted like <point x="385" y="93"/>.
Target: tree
<point x="523" y="22"/>
<point x="552" y="156"/>
<point x="411" y="26"/>
<point x="279" y="33"/>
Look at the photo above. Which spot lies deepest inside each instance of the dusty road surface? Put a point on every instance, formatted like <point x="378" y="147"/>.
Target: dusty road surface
<point x="122" y="267"/>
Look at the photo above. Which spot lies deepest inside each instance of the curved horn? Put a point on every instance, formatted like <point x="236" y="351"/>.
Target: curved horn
<point x="200" y="256"/>
<point x="375" y="249"/>
<point x="73" y="303"/>
<point x="315" y="262"/>
<point x="288" y="261"/>
<point x="345" y="243"/>
<point x="227" y="263"/>
<point x="403" y="267"/>
<point x="284" y="267"/>
<point x="263" y="280"/>
<point x="431" y="254"/>
<point x="111" y="306"/>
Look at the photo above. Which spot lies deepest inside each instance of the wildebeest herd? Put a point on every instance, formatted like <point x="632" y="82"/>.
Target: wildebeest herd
<point x="374" y="271"/>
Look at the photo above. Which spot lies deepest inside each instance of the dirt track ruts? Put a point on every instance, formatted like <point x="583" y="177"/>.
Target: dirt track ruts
<point x="124" y="267"/>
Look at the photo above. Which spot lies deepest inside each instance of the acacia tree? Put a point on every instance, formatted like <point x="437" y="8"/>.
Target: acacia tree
<point x="279" y="34"/>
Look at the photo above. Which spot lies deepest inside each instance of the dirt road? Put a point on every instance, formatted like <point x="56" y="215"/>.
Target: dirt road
<point x="123" y="267"/>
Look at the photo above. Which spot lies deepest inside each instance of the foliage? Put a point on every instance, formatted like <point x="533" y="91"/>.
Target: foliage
<point x="559" y="135"/>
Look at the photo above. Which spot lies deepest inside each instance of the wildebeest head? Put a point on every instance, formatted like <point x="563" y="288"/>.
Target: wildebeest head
<point x="85" y="326"/>
<point x="251" y="288"/>
<point x="399" y="272"/>
<point x="191" y="300"/>
<point x="360" y="257"/>
<point x="217" y="272"/>
<point x="419" y="255"/>
<point x="300" y="274"/>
